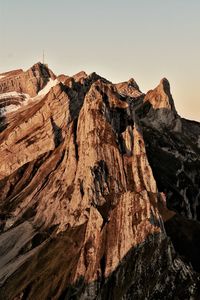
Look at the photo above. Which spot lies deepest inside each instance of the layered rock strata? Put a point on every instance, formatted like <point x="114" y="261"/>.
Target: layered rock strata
<point x="99" y="191"/>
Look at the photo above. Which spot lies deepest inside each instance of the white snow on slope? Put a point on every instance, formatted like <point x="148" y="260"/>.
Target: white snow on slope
<point x="2" y="76"/>
<point x="9" y="108"/>
<point x="26" y="98"/>
<point x="12" y="107"/>
<point x="13" y="95"/>
<point x="51" y="83"/>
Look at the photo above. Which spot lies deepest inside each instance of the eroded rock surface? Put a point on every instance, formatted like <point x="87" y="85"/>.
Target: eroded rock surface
<point x="99" y="187"/>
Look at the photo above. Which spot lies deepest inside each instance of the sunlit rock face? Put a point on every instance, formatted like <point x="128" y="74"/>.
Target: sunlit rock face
<point x="99" y="190"/>
<point x="159" y="109"/>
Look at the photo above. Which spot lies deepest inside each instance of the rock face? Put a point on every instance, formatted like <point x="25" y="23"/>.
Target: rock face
<point x="161" y="109"/>
<point x="29" y="82"/>
<point x="99" y="190"/>
<point x="18" y="87"/>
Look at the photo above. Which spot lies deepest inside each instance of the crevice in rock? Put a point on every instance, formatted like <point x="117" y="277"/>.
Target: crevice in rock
<point x="75" y="124"/>
<point x="57" y="132"/>
<point x="3" y="123"/>
<point x="26" y="292"/>
<point x="44" y="183"/>
<point x="121" y="144"/>
<point x="103" y="268"/>
<point x="81" y="188"/>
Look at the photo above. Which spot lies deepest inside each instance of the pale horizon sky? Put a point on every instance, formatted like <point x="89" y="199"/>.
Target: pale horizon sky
<point x="143" y="39"/>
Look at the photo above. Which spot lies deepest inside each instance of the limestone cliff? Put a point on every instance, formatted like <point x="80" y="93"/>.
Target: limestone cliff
<point x="88" y="169"/>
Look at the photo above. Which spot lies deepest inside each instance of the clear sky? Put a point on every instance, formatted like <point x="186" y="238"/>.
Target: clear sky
<point x="119" y="39"/>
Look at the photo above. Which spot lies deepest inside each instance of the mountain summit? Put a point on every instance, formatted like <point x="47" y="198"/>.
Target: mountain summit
<point x="99" y="190"/>
<point x="161" y="96"/>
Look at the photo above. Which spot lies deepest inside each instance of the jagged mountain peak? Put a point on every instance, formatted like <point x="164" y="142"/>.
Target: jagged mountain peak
<point x="158" y="108"/>
<point x="42" y="70"/>
<point x="164" y="81"/>
<point x="165" y="85"/>
<point x="133" y="83"/>
<point x="129" y="88"/>
<point x="39" y="65"/>
<point x="80" y="76"/>
<point x="160" y="97"/>
<point x="88" y="169"/>
<point x="94" y="77"/>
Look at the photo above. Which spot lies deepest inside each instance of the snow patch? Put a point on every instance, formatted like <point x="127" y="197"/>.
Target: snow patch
<point x="51" y="83"/>
<point x="25" y="98"/>
<point x="2" y="76"/>
<point x="14" y="95"/>
<point x="9" y="108"/>
<point x="12" y="107"/>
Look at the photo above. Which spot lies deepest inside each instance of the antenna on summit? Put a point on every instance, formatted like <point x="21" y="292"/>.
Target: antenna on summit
<point x="43" y="57"/>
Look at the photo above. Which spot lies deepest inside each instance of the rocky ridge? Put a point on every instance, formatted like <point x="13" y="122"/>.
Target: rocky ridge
<point x="99" y="190"/>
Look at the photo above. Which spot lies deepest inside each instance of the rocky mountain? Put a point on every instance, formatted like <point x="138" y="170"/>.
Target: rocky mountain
<point x="99" y="190"/>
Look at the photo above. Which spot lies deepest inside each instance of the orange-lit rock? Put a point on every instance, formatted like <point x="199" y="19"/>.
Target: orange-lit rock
<point x="89" y="170"/>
